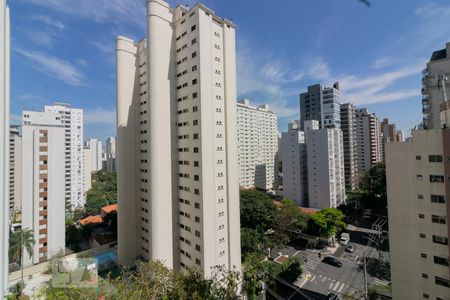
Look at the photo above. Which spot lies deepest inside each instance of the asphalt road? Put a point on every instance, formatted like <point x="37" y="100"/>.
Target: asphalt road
<point x="324" y="278"/>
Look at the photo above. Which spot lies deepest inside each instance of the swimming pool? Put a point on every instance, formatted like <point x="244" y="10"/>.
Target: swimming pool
<point x="106" y="260"/>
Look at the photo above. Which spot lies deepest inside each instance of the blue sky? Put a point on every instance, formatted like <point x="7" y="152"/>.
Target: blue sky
<point x="63" y="50"/>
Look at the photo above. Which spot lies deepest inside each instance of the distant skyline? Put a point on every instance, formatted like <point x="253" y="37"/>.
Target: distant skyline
<point x="64" y="51"/>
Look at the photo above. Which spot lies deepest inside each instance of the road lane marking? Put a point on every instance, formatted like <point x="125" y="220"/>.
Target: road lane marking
<point x="335" y="287"/>
<point x="312" y="279"/>
<point x="324" y="278"/>
<point x="342" y="286"/>
<point x="331" y="284"/>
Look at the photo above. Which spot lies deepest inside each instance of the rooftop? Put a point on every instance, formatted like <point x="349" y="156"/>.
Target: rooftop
<point x="109" y="208"/>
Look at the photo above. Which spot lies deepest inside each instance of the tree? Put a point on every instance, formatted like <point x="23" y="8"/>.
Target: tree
<point x="110" y="221"/>
<point x="252" y="240"/>
<point x="374" y="187"/>
<point x="290" y="218"/>
<point x="326" y="222"/>
<point x="19" y="240"/>
<point x="102" y="193"/>
<point x="257" y="210"/>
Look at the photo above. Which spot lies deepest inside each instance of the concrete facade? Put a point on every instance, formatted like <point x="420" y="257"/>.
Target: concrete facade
<point x="43" y="183"/>
<point x="326" y="176"/>
<point x="15" y="169"/>
<point x="88" y="169"/>
<point x="178" y="192"/>
<point x="348" y="127"/>
<point x="72" y="120"/>
<point x="322" y="104"/>
<point x="96" y="147"/>
<point x="293" y="157"/>
<point x="110" y="154"/>
<point x="4" y="149"/>
<point x="435" y="86"/>
<point x="257" y="145"/>
<point x="418" y="206"/>
<point x="368" y="141"/>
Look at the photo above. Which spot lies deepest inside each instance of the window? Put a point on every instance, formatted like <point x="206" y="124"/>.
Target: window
<point x="194" y="95"/>
<point x="442" y="281"/>
<point x="193" y="41"/>
<point x="195" y="149"/>
<point x="437" y="199"/>
<point x="198" y="262"/>
<point x="197" y="247"/>
<point x="194" y="54"/>
<point x="197" y="205"/>
<point x="195" y="136"/>
<point x="195" y="122"/>
<point x="441" y="260"/>
<point x="418" y="157"/>
<point x="425" y="296"/>
<point x="435" y="158"/>
<point x="438" y="219"/>
<point x="196" y="191"/>
<point x="193" y="27"/>
<point x="419" y="196"/>
<point x="419" y="177"/>
<point x="196" y="177"/>
<point x="422" y="235"/>
<point x="194" y="68"/>
<point x="421" y="216"/>
<point x="423" y="255"/>
<point x="440" y="239"/>
<point x="197" y="233"/>
<point x="197" y="219"/>
<point x="436" y="178"/>
<point x="194" y="81"/>
<point x="195" y="108"/>
<point x="196" y="163"/>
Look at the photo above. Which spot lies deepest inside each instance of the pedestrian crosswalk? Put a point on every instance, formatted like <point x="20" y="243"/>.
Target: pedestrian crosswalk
<point x="331" y="284"/>
<point x="312" y="263"/>
<point x="381" y="282"/>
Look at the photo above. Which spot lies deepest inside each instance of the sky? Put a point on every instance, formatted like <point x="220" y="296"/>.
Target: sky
<point x="64" y="51"/>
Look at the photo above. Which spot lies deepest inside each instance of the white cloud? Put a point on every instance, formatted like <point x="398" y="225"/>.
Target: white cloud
<point x="82" y="62"/>
<point x="41" y="38"/>
<point x="53" y="66"/>
<point x="105" y="47"/>
<point x="383" y="62"/>
<point x="49" y="21"/>
<point x="100" y="115"/>
<point x="112" y="11"/>
<point x="366" y="98"/>
<point x="28" y="97"/>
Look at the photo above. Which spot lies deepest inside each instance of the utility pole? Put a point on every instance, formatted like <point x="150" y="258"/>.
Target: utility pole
<point x="365" y="276"/>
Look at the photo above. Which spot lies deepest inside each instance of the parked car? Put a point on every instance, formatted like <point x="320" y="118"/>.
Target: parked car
<point x="350" y="248"/>
<point x="332" y="261"/>
<point x="333" y="296"/>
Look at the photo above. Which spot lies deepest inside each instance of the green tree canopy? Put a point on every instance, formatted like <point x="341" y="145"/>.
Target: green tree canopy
<point x="102" y="193"/>
<point x="257" y="210"/>
<point x="326" y="222"/>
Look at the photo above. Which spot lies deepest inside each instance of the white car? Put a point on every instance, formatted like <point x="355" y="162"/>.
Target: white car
<point x="345" y="239"/>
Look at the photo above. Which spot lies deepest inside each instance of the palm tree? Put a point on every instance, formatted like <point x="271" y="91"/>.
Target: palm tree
<point x="23" y="238"/>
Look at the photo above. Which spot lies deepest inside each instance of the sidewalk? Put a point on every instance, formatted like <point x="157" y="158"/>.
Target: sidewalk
<point x="326" y="250"/>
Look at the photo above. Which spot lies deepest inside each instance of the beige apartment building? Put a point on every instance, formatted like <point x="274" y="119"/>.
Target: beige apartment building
<point x="43" y="183"/>
<point x="176" y="145"/>
<point x="418" y="187"/>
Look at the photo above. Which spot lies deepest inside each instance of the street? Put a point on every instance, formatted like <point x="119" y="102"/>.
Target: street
<point x="323" y="278"/>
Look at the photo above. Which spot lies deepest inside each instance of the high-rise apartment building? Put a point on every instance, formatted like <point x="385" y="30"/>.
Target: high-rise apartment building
<point x="326" y="176"/>
<point x="389" y="134"/>
<point x="43" y="183"/>
<point x="418" y="189"/>
<point x="96" y="147"/>
<point x="72" y="120"/>
<point x="110" y="154"/>
<point x="435" y="86"/>
<point x="322" y="104"/>
<point x="15" y="169"/>
<point x="177" y="171"/>
<point x="4" y="148"/>
<point x="257" y="145"/>
<point x="368" y="140"/>
<point x="293" y="157"/>
<point x="88" y="169"/>
<point x="348" y="127"/>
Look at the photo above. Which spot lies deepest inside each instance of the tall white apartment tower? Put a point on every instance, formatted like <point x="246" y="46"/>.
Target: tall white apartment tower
<point x="177" y="171"/>
<point x="72" y="120"/>
<point x="110" y="153"/>
<point x="43" y="183"/>
<point x="293" y="157"/>
<point x="326" y="176"/>
<point x="435" y="86"/>
<point x="4" y="148"/>
<point x="368" y="140"/>
<point x="257" y="145"/>
<point x="96" y="147"/>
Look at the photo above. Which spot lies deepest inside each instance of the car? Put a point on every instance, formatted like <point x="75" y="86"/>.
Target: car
<point x="332" y="296"/>
<point x="350" y="248"/>
<point x="332" y="261"/>
<point x="345" y="239"/>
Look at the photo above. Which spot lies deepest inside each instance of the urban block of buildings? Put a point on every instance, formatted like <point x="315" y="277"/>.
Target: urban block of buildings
<point x="257" y="136"/>
<point x="178" y="183"/>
